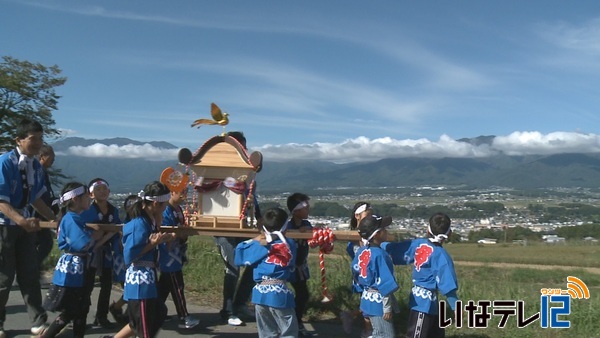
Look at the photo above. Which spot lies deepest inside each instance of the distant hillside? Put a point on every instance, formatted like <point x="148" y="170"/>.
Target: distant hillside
<point x="123" y="175"/>
<point x="520" y="172"/>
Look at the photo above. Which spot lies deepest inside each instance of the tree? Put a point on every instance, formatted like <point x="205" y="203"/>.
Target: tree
<point x="27" y="90"/>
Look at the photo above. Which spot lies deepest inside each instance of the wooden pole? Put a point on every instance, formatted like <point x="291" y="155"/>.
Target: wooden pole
<point x="342" y="235"/>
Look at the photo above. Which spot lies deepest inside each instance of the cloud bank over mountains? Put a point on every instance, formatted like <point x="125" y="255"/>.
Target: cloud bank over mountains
<point x="365" y="149"/>
<point x="146" y="151"/>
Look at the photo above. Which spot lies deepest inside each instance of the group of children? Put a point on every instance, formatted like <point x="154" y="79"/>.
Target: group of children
<point x="136" y="257"/>
<point x="277" y="260"/>
<point x="133" y="259"/>
<point x="373" y="260"/>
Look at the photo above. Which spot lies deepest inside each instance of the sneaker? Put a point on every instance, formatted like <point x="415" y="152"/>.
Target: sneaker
<point x="2" y="334"/>
<point x="234" y="321"/>
<point x="103" y="323"/>
<point x="346" y="319"/>
<point x="38" y="330"/>
<point x="188" y="322"/>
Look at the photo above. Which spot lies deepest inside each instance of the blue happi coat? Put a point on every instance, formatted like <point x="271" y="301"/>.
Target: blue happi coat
<point x="273" y="266"/>
<point x="76" y="242"/>
<point x="373" y="271"/>
<point x="171" y="255"/>
<point x="94" y="215"/>
<point x="140" y="278"/>
<point x="433" y="271"/>
<point x="11" y="184"/>
<point x="302" y="272"/>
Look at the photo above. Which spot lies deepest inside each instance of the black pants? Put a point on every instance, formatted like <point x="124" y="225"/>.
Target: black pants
<point x="45" y="241"/>
<point x="301" y="298"/>
<point x="234" y="295"/>
<point x="422" y="325"/>
<point x="146" y="316"/>
<point x="104" y="295"/>
<point x="76" y="304"/>
<point x="17" y="256"/>
<point x="172" y="283"/>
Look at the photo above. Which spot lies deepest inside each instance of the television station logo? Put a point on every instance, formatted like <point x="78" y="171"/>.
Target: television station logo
<point x="555" y="305"/>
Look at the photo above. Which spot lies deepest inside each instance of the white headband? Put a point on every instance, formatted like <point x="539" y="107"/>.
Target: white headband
<point x="162" y="198"/>
<point x="300" y="205"/>
<point x="97" y="183"/>
<point x="361" y="209"/>
<point x="71" y="194"/>
<point x="278" y="233"/>
<point x="373" y="234"/>
<point x="439" y="237"/>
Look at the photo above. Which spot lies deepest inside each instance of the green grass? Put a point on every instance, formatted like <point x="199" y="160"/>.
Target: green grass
<point x="538" y="253"/>
<point x="476" y="283"/>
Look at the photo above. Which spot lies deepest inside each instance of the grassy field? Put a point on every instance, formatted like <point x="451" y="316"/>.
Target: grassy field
<point x="476" y="283"/>
<point x="204" y="280"/>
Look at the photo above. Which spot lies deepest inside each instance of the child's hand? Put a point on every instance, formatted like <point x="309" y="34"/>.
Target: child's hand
<point x="157" y="238"/>
<point x="387" y="316"/>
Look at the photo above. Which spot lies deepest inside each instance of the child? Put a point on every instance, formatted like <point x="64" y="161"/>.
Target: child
<point x="299" y="208"/>
<point x="68" y="292"/>
<point x="273" y="257"/>
<point x="171" y="260"/>
<point x="140" y="240"/>
<point x="373" y="270"/>
<point x="102" y="211"/>
<point x="359" y="211"/>
<point x="119" y="268"/>
<point x="433" y="270"/>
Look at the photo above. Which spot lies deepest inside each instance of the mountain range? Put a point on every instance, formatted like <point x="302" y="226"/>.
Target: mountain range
<point x="519" y="172"/>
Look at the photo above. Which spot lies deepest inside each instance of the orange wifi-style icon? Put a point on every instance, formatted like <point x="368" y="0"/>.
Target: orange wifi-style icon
<point x="577" y="288"/>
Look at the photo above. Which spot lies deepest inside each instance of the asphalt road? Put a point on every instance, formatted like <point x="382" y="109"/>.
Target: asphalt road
<point x="17" y="322"/>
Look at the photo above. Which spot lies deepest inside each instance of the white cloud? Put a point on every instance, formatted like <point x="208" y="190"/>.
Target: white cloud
<point x="66" y="132"/>
<point x="581" y="37"/>
<point x="365" y="149"/>
<point x="536" y="143"/>
<point x="145" y="151"/>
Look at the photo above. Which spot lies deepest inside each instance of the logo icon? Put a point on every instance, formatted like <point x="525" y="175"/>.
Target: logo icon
<point x="576" y="288"/>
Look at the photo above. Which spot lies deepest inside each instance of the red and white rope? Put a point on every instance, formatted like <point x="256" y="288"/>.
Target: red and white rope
<point x="323" y="238"/>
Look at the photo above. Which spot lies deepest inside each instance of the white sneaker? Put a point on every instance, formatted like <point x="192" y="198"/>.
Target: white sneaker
<point x="38" y="330"/>
<point x="189" y="322"/>
<point x="234" y="321"/>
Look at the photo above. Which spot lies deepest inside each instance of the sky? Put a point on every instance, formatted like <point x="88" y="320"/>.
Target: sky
<point x="337" y="80"/>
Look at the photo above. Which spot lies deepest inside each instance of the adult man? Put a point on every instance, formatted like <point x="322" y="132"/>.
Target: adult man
<point x="45" y="237"/>
<point x="235" y="294"/>
<point x="22" y="183"/>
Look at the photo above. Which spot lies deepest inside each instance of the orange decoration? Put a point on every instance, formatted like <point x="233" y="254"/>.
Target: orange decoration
<point x="174" y="180"/>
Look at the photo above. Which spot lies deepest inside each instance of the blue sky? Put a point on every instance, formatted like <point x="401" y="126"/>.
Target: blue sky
<point x="337" y="80"/>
